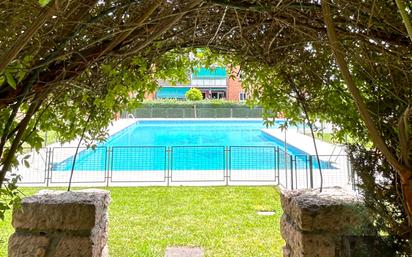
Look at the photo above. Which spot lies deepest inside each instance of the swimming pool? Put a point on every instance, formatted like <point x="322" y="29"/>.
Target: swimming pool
<point x="186" y="145"/>
<point x="196" y="133"/>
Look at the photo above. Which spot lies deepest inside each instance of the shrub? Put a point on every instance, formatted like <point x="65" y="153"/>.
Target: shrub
<point x="194" y="94"/>
<point x="381" y="190"/>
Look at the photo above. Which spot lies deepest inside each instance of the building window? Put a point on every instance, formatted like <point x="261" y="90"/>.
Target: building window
<point x="242" y="96"/>
<point x="218" y="95"/>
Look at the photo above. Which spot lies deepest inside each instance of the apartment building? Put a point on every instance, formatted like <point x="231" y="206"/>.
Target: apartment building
<point x="213" y="83"/>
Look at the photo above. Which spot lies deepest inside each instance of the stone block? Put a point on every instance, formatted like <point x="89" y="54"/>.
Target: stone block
<point x="48" y="210"/>
<point x="61" y="224"/>
<point x="81" y="246"/>
<point x="286" y="251"/>
<point x="334" y="209"/>
<point x="307" y="244"/>
<point x="76" y="247"/>
<point x="28" y="245"/>
<point x="184" y="251"/>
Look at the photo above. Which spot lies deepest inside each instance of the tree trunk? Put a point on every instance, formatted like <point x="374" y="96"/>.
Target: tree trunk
<point x="7" y="162"/>
<point x="403" y="171"/>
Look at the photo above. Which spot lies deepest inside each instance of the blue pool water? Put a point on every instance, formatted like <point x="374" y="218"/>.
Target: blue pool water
<point x="186" y="145"/>
<point x="195" y="133"/>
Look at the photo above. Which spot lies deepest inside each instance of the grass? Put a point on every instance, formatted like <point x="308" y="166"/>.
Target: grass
<point x="221" y="220"/>
<point x="326" y="137"/>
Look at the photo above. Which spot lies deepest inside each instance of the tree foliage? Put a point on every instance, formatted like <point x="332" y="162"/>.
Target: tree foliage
<point x="194" y="94"/>
<point x="347" y="62"/>
<point x="381" y="183"/>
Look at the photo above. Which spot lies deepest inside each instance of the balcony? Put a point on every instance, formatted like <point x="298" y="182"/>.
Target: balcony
<point x="209" y="82"/>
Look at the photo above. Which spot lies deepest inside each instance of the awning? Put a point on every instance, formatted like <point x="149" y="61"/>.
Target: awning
<point x="203" y="73"/>
<point x="172" y="92"/>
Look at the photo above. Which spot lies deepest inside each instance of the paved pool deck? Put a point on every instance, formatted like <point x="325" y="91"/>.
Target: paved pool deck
<point x="113" y="128"/>
<point x="305" y="143"/>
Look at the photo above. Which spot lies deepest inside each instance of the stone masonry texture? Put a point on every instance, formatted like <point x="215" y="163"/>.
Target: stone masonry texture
<point x="314" y="223"/>
<point x="61" y="224"/>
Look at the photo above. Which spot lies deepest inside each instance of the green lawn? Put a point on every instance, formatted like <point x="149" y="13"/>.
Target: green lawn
<point x="221" y="220"/>
<point x="326" y="137"/>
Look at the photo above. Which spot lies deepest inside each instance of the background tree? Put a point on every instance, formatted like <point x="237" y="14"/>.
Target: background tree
<point x="194" y="94"/>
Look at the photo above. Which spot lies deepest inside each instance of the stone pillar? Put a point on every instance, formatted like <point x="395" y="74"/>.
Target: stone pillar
<point x="61" y="224"/>
<point x="316" y="224"/>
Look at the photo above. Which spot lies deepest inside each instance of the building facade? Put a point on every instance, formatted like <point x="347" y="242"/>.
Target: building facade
<point x="213" y="83"/>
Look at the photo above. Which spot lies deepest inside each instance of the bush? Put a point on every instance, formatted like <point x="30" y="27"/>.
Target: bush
<point x="194" y="94"/>
<point x="381" y="190"/>
<point x="164" y="103"/>
<point x="215" y="108"/>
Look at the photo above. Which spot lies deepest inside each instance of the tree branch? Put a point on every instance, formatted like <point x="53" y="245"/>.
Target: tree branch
<point x="405" y="17"/>
<point x="7" y="162"/>
<point x="262" y="7"/>
<point x="27" y="35"/>
<point x="356" y="95"/>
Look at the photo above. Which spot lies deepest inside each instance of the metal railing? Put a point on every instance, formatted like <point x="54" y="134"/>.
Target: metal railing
<point x="181" y="165"/>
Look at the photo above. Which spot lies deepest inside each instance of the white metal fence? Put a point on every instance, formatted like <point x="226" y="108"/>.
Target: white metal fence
<point x="183" y="165"/>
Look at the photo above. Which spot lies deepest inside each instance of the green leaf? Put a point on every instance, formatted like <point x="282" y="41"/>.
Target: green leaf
<point x="22" y="72"/>
<point x="3" y="206"/>
<point x="10" y="80"/>
<point x="106" y="68"/>
<point x="26" y="164"/>
<point x="43" y="3"/>
<point x="26" y="60"/>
